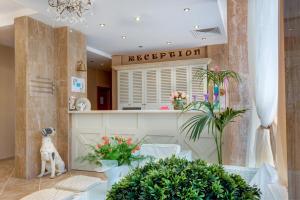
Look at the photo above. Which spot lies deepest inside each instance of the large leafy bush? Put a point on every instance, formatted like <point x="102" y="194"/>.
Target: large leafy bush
<point x="175" y="179"/>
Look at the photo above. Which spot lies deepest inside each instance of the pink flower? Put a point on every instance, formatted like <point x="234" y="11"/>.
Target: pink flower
<point x="175" y="94"/>
<point x="217" y="68"/>
<point x="129" y="141"/>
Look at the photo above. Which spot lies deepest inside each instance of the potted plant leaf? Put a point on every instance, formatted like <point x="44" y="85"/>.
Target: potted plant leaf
<point x="115" y="155"/>
<point x="212" y="118"/>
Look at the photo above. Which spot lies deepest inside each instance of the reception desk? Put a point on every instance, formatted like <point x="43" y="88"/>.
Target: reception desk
<point x="148" y="126"/>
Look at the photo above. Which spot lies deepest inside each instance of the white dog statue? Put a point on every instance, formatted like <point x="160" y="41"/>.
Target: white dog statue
<point x="51" y="160"/>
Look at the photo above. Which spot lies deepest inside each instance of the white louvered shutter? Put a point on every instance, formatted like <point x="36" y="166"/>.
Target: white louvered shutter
<point x="151" y="89"/>
<point x="137" y="88"/>
<point x="124" y="87"/>
<point x="198" y="87"/>
<point x="165" y="85"/>
<point x="181" y="79"/>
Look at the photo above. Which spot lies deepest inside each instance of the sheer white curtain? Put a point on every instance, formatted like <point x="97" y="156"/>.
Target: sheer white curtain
<point x="263" y="42"/>
<point x="263" y="59"/>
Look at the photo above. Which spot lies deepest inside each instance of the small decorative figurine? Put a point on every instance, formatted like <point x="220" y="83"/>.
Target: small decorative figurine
<point x="51" y="160"/>
<point x="72" y="101"/>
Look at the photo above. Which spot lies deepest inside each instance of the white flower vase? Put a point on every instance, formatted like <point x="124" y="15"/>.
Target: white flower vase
<point x="106" y="165"/>
<point x="115" y="174"/>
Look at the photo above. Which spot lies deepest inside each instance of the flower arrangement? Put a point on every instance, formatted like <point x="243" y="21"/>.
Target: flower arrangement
<point x="114" y="148"/>
<point x="179" y="100"/>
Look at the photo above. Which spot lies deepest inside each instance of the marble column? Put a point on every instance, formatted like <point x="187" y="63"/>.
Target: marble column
<point x="44" y="54"/>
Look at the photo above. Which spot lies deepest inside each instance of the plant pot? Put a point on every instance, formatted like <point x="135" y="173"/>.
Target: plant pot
<point x="246" y="173"/>
<point x="179" y="104"/>
<point x="115" y="174"/>
<point x="106" y="165"/>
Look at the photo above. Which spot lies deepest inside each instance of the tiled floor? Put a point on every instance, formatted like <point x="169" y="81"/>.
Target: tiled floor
<point x="12" y="188"/>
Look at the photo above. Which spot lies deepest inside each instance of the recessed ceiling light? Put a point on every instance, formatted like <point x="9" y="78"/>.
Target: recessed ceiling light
<point x="137" y="18"/>
<point x="124" y="37"/>
<point x="187" y="9"/>
<point x="197" y="27"/>
<point x="140" y="46"/>
<point x="169" y="43"/>
<point x="102" y="25"/>
<point x="204" y="38"/>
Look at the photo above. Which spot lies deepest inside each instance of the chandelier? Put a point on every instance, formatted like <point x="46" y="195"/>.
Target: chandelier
<point x="72" y="11"/>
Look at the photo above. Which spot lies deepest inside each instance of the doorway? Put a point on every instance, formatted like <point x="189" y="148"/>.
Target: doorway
<point x="104" y="100"/>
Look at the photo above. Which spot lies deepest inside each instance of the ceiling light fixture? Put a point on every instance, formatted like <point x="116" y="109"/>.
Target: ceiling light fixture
<point x="187" y="9"/>
<point x="124" y="37"/>
<point x="197" y="27"/>
<point x="204" y="38"/>
<point x="72" y="11"/>
<point x="137" y="19"/>
<point x="169" y="43"/>
<point x="102" y="25"/>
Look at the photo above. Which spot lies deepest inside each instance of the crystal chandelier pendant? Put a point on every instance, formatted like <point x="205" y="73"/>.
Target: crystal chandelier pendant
<point x="72" y="11"/>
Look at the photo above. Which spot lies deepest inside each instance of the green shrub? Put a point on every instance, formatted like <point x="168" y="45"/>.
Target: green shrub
<point x="175" y="179"/>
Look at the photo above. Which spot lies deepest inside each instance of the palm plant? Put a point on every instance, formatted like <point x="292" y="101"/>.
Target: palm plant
<point x="215" y="122"/>
<point x="217" y="76"/>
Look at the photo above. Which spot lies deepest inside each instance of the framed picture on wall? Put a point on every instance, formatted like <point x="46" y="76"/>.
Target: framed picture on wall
<point x="78" y="84"/>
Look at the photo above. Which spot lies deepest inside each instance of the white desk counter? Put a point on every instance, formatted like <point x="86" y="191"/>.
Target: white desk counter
<point x="149" y="126"/>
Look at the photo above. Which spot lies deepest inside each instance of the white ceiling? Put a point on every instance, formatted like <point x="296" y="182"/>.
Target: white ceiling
<point x="161" y="21"/>
<point x="9" y="9"/>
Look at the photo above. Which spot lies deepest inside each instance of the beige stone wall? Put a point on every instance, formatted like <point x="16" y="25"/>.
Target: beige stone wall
<point x="7" y="102"/>
<point x="96" y="78"/>
<point x="240" y="95"/>
<point x="44" y="53"/>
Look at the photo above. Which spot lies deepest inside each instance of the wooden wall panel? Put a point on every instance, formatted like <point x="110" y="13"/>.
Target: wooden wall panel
<point x="7" y="98"/>
<point x="292" y="74"/>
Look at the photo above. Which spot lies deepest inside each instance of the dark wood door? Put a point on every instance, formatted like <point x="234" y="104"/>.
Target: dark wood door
<point x="104" y="101"/>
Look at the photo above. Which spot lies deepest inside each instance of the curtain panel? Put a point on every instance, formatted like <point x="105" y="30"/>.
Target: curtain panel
<point x="263" y="44"/>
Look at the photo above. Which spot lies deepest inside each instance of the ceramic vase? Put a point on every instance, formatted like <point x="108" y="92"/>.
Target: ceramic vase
<point x="179" y="104"/>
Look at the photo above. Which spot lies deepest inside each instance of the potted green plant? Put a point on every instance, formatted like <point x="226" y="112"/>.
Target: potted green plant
<point x="179" y="100"/>
<point x="175" y="178"/>
<point x="212" y="117"/>
<point x="115" y="155"/>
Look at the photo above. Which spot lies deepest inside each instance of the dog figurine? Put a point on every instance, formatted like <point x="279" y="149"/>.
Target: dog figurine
<point x="51" y="160"/>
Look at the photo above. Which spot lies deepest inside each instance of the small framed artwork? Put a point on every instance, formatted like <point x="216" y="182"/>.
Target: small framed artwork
<point x="78" y="85"/>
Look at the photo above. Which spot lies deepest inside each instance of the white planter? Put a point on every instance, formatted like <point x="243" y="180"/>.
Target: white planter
<point x="246" y="173"/>
<point x="106" y="165"/>
<point x="115" y="174"/>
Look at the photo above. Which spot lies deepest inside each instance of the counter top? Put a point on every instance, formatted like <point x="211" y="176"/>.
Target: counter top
<point x="130" y="112"/>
